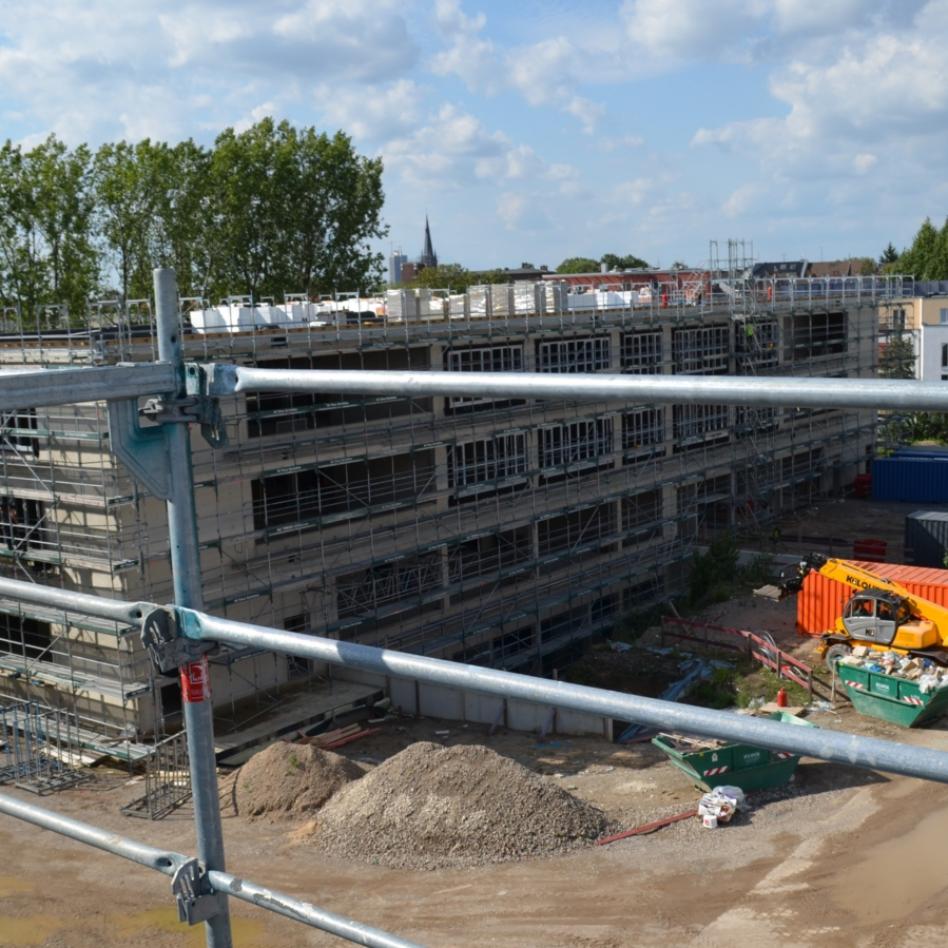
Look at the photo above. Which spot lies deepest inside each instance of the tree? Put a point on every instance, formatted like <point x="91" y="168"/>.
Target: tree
<point x="897" y="359"/>
<point x="293" y="211"/>
<point x="126" y="205"/>
<point x="445" y="276"/>
<point x="270" y="210"/>
<point x="919" y="258"/>
<point x="23" y="271"/>
<point x="578" y="265"/>
<point x="47" y="252"/>
<point x="628" y="262"/>
<point x="889" y="256"/>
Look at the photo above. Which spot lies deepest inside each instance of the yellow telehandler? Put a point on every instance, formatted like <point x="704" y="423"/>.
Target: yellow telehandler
<point x="881" y="614"/>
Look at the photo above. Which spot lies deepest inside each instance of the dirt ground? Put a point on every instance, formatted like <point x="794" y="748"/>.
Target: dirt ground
<point x="842" y="857"/>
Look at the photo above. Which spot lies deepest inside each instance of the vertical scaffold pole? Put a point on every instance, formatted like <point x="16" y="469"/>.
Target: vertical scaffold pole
<point x="186" y="570"/>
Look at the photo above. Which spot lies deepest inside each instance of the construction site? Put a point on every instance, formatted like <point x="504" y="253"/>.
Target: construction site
<point x="509" y="534"/>
<point x="494" y="532"/>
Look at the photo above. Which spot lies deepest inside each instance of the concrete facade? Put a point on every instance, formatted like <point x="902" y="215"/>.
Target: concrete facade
<point x="491" y="532"/>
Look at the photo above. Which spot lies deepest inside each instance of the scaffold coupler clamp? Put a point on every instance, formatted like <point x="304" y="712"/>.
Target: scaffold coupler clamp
<point x="167" y="648"/>
<point x="191" y="888"/>
<point x="193" y="408"/>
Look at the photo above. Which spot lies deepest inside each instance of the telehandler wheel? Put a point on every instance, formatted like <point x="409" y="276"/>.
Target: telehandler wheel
<point x="834" y="653"/>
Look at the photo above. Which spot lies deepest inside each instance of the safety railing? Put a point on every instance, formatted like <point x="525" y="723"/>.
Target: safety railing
<point x="180" y="636"/>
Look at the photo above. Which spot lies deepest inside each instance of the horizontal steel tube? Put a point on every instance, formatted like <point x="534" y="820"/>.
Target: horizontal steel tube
<point x="838" y="746"/>
<point x="166" y="861"/>
<point x="145" y="855"/>
<point x="80" y="604"/>
<point x="633" y="389"/>
<point x="304" y="912"/>
<point x="37" y="387"/>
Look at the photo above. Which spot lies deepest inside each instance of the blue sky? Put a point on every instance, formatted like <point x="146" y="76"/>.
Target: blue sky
<point x="534" y="131"/>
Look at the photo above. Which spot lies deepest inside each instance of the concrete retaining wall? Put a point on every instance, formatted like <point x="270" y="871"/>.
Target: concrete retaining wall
<point x="455" y="704"/>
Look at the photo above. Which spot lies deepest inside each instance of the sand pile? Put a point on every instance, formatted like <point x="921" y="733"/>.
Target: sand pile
<point x="291" y="779"/>
<point x="432" y="806"/>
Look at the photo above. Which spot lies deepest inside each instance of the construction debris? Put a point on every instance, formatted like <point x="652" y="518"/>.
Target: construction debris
<point x="431" y="807"/>
<point x="720" y="805"/>
<point x="290" y="780"/>
<point x="647" y="827"/>
<point x="923" y="671"/>
<point x="330" y="740"/>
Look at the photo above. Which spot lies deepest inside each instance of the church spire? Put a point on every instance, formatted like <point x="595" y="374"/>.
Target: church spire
<point x="428" y="256"/>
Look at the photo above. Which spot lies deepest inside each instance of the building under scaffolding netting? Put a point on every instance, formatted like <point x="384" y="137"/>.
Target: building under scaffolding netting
<point x="493" y="531"/>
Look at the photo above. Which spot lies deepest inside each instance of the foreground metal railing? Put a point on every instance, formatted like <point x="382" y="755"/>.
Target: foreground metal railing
<point x="188" y="878"/>
<point x="180" y="636"/>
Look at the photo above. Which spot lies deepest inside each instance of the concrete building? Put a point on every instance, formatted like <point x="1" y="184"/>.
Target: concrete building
<point x="396" y="263"/>
<point x="921" y="322"/>
<point x="494" y="531"/>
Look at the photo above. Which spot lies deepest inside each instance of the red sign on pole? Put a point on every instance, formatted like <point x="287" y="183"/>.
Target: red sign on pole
<point x="196" y="681"/>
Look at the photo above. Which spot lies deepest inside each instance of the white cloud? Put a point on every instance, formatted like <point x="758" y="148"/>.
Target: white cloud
<point x="105" y="69"/>
<point x="454" y="149"/>
<point x="742" y="200"/>
<point x="885" y="90"/>
<point x="545" y="73"/>
<point x="510" y="209"/>
<point x="371" y="113"/>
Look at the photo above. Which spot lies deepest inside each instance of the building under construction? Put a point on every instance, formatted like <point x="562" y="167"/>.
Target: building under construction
<point x="498" y="532"/>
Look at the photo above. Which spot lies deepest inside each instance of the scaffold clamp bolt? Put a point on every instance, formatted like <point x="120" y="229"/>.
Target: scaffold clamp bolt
<point x="166" y="648"/>
<point x="197" y="901"/>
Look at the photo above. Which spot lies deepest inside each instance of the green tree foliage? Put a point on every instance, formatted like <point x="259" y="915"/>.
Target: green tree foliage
<point x="47" y="252"/>
<point x="889" y="256"/>
<point x="897" y="359"/>
<point x="269" y="210"/>
<point x="446" y="276"/>
<point x="454" y="277"/>
<point x="578" y="265"/>
<point x="611" y="260"/>
<point x="293" y="209"/>
<point x="628" y="262"/>
<point x="927" y="258"/>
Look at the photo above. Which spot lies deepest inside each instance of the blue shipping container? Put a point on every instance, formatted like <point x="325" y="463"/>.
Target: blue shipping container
<point x="922" y="451"/>
<point x="916" y="480"/>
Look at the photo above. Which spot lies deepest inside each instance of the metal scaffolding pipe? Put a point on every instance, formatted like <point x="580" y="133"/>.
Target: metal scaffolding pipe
<point x="80" y="604"/>
<point x="895" y="394"/>
<point x="838" y="746"/>
<point x="186" y="577"/>
<point x="36" y="388"/>
<point x="167" y="862"/>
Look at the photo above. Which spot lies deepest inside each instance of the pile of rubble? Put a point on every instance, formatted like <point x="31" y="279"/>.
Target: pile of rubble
<point x="290" y="780"/>
<point x="431" y="806"/>
<point x="924" y="672"/>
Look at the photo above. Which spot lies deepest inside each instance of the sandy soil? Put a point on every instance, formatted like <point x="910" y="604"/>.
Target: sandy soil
<point x="840" y="858"/>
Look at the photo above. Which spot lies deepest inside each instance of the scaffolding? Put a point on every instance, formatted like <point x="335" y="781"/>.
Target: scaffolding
<point x="498" y="531"/>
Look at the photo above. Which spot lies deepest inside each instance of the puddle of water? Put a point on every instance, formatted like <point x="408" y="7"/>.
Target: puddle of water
<point x="27" y="929"/>
<point x="248" y="932"/>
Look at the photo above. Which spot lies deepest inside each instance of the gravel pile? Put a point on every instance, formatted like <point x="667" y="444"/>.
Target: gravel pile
<point x="431" y="807"/>
<point x="290" y="780"/>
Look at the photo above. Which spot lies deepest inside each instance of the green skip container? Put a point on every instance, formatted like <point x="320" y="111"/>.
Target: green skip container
<point x="735" y="765"/>
<point x="893" y="699"/>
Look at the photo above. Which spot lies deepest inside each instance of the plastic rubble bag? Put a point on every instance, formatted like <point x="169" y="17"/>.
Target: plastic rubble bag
<point x="720" y="804"/>
<point x="928" y="682"/>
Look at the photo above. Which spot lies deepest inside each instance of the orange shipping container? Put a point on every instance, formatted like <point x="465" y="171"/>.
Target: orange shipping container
<point x="821" y="599"/>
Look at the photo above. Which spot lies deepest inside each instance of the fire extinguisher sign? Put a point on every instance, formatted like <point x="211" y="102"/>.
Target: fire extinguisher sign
<point x="196" y="681"/>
